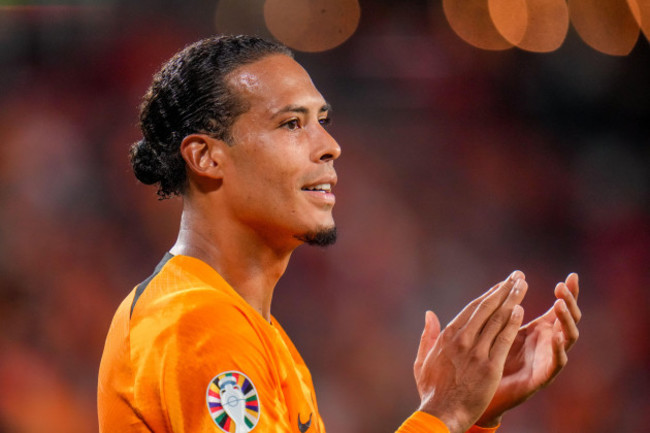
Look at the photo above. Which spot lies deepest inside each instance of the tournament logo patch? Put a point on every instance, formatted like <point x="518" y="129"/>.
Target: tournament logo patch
<point x="233" y="402"/>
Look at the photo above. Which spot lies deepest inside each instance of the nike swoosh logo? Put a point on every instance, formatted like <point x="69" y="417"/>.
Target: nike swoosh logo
<point x="304" y="427"/>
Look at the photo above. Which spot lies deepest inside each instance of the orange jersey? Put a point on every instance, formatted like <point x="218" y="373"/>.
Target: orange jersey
<point x="186" y="353"/>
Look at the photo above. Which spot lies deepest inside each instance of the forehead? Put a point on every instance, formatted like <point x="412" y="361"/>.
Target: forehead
<point x="274" y="82"/>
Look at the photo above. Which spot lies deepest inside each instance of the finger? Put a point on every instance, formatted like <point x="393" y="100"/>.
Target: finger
<point x="462" y="317"/>
<point x="499" y="319"/>
<point x="568" y="325"/>
<point x="560" y="357"/>
<point x="572" y="282"/>
<point x="427" y="340"/>
<point x="500" y="290"/>
<point x="563" y="292"/>
<point x="490" y="304"/>
<point x="506" y="337"/>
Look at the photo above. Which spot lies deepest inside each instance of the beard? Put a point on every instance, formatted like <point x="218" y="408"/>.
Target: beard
<point x="320" y="238"/>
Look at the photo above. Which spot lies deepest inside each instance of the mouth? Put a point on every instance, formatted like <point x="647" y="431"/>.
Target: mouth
<point x="321" y="187"/>
<point x="320" y="192"/>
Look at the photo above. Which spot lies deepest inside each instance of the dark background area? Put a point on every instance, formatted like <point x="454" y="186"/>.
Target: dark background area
<point x="459" y="165"/>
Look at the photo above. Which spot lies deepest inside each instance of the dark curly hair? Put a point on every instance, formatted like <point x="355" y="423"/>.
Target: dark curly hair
<point x="189" y="95"/>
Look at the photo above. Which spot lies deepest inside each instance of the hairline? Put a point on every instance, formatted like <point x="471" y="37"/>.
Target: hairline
<point x="240" y="101"/>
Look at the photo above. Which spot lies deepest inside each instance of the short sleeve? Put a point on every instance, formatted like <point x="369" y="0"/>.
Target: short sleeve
<point x="213" y="366"/>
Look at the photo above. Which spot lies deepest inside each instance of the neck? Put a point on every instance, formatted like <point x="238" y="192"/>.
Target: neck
<point x="246" y="260"/>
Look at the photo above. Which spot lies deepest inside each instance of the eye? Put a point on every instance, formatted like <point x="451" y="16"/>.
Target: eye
<point x="291" y="125"/>
<point x="325" y="121"/>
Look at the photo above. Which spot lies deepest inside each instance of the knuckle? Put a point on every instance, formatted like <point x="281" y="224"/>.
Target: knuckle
<point x="496" y="321"/>
<point x="447" y="335"/>
<point x="450" y="329"/>
<point x="490" y="368"/>
<point x="475" y="304"/>
<point x="476" y="301"/>
<point x="463" y="342"/>
<point x="487" y="304"/>
<point x="503" y="338"/>
<point x="476" y="359"/>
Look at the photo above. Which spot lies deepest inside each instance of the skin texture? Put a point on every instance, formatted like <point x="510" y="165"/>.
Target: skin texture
<point x="247" y="207"/>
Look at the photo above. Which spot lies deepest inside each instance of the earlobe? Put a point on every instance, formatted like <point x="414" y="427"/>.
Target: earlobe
<point x="203" y="155"/>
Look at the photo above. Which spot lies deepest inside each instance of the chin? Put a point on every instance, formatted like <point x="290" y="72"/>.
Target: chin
<point x="322" y="237"/>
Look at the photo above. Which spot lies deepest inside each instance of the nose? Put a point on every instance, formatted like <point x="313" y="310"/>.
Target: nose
<point x="326" y="149"/>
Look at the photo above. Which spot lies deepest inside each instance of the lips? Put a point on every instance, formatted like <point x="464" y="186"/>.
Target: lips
<point x="320" y="191"/>
<point x="322" y="187"/>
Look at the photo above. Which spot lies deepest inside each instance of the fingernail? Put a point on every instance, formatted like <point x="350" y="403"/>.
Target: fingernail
<point x="519" y="284"/>
<point x="514" y="275"/>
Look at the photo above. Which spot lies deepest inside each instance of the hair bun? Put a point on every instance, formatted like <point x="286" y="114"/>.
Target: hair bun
<point x="145" y="162"/>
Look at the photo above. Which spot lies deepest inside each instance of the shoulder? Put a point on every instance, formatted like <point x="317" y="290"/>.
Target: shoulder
<point x="209" y="313"/>
<point x="188" y="304"/>
<point x="196" y="316"/>
<point x="184" y="290"/>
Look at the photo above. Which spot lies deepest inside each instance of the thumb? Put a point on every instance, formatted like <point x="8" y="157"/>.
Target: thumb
<point x="427" y="340"/>
<point x="431" y="328"/>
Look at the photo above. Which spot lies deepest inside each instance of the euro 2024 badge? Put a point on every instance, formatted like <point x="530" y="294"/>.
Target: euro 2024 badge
<point x="233" y="402"/>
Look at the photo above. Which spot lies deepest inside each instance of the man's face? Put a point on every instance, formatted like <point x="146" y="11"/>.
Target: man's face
<point x="279" y="174"/>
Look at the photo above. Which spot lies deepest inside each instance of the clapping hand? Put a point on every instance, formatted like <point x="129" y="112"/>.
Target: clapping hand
<point x="484" y="363"/>
<point x="538" y="353"/>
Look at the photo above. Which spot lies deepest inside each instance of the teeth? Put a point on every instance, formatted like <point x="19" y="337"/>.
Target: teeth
<point x="322" y="187"/>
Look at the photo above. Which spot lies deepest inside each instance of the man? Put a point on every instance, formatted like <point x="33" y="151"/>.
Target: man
<point x="236" y="127"/>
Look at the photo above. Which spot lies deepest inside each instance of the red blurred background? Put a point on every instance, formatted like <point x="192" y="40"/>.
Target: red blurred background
<point x="459" y="165"/>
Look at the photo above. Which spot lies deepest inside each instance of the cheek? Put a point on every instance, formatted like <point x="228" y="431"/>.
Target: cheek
<point x="269" y="166"/>
<point x="263" y="183"/>
<point x="277" y="164"/>
<point x="268" y="176"/>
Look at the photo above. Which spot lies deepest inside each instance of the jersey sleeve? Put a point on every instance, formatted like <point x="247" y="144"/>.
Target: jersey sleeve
<point x="422" y="422"/>
<point x="212" y="368"/>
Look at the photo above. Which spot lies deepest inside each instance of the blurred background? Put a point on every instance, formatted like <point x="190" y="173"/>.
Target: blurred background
<point x="459" y="165"/>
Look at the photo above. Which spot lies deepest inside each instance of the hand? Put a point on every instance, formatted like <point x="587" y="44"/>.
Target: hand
<point x="458" y="370"/>
<point x="538" y="353"/>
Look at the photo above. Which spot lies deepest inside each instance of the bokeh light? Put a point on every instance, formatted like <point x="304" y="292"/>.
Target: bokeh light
<point x="471" y="20"/>
<point x="312" y="25"/>
<point x="641" y="11"/>
<point x="609" y="26"/>
<point x="510" y="18"/>
<point x="605" y="25"/>
<point x="532" y="25"/>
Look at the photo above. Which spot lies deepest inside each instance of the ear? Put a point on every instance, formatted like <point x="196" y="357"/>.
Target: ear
<point x="203" y="155"/>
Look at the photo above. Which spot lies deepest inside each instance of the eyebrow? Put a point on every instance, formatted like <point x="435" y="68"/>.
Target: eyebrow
<point x="300" y="109"/>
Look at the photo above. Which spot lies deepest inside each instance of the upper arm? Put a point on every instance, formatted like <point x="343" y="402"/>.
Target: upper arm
<point x="207" y="346"/>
